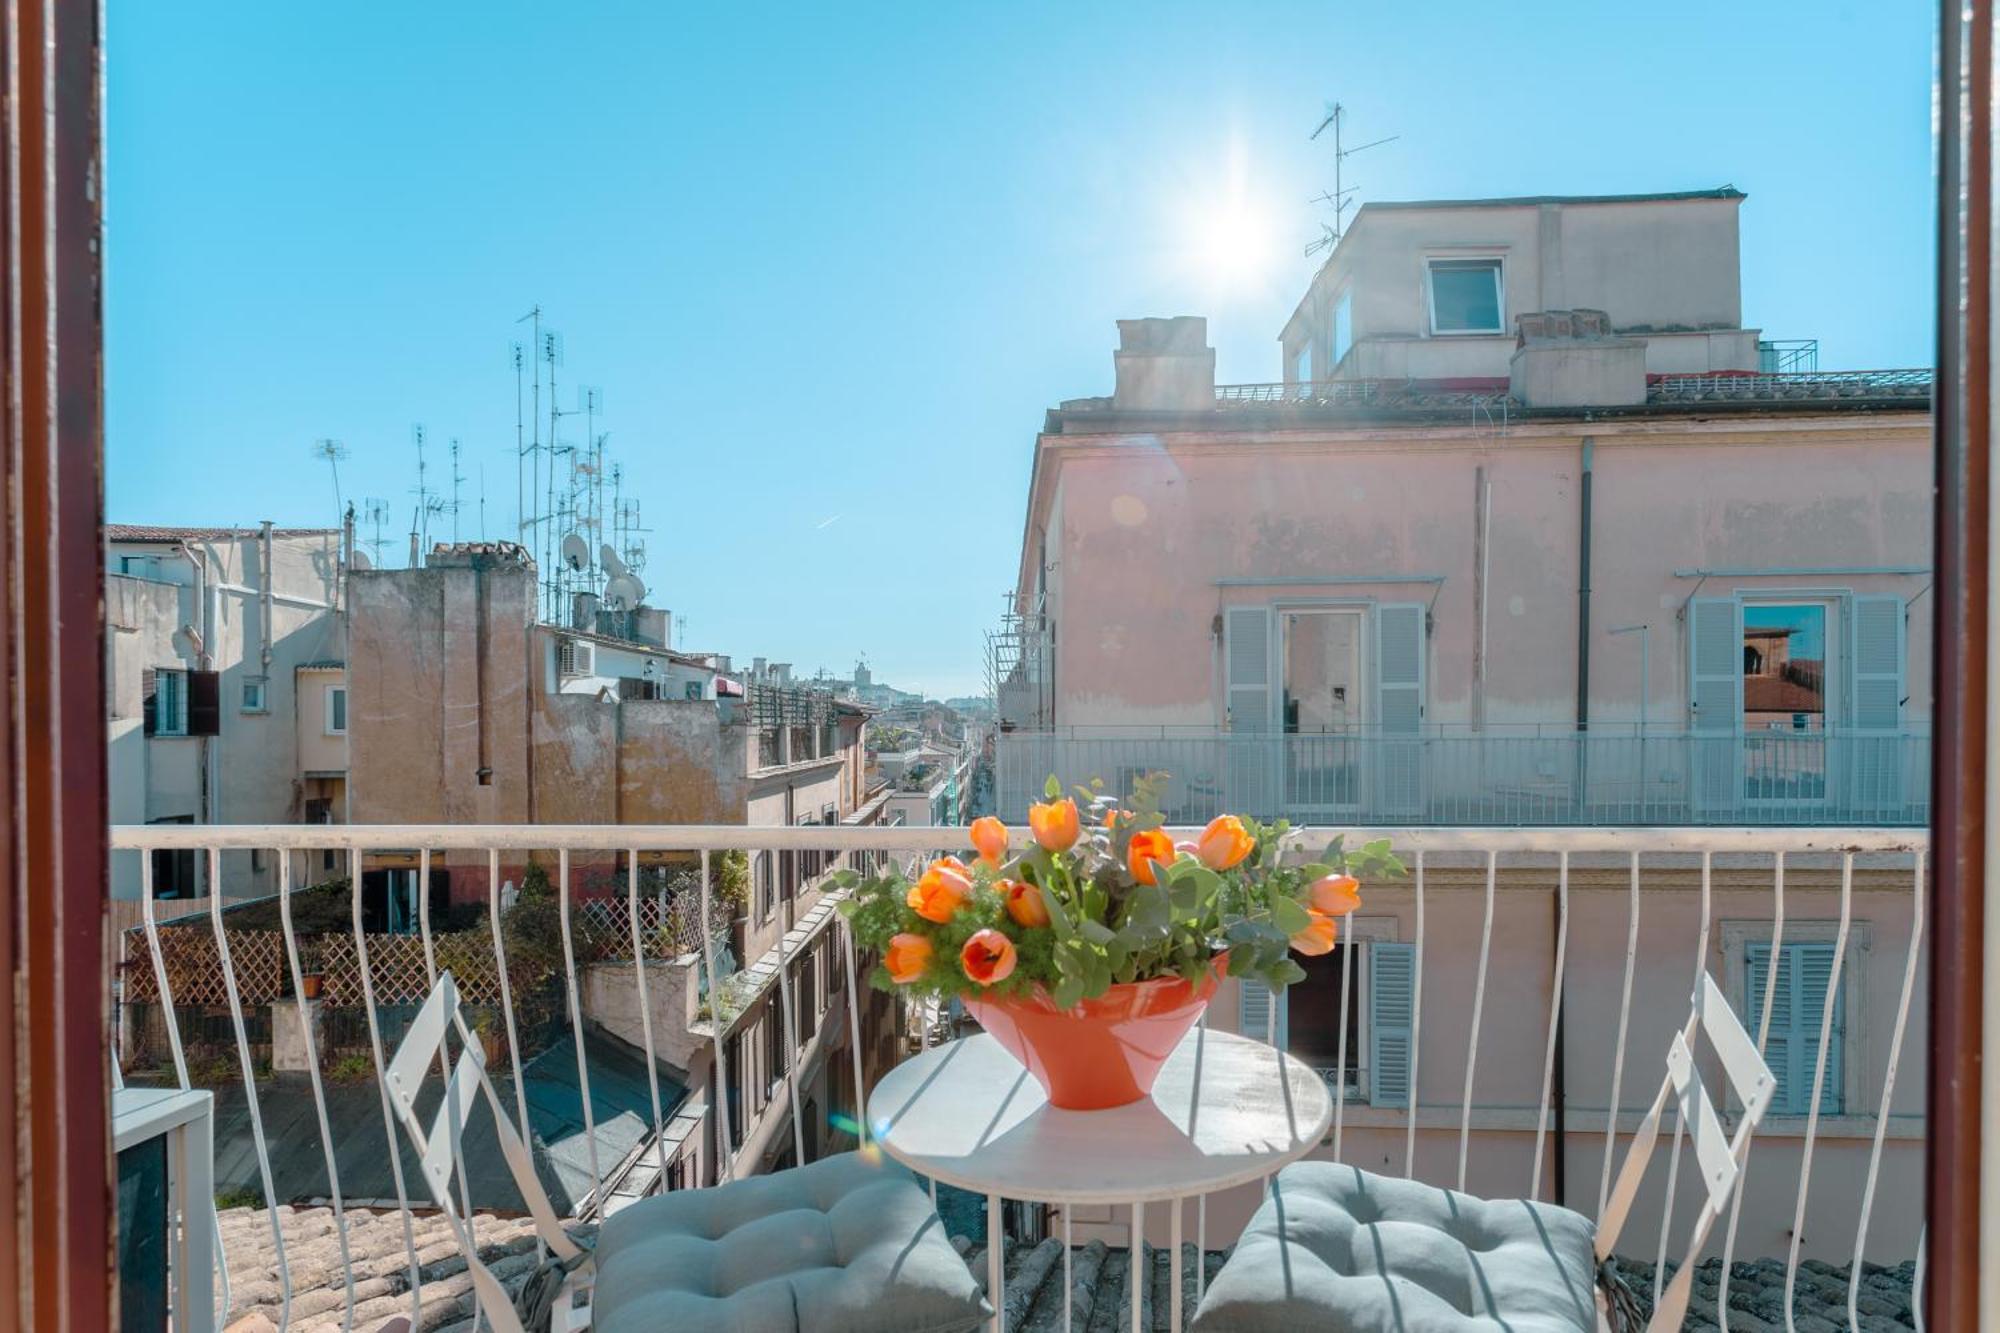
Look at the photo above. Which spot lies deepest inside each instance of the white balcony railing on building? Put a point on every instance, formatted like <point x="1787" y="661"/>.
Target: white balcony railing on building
<point x="1547" y="969"/>
<point x="1507" y="776"/>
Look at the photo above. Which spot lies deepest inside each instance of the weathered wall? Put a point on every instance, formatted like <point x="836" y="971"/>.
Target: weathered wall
<point x="1158" y="534"/>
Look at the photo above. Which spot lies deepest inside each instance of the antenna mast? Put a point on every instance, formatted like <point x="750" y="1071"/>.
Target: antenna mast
<point x="373" y="512"/>
<point x="1337" y="198"/>
<point x="332" y="451"/>
<point x="456" y="477"/>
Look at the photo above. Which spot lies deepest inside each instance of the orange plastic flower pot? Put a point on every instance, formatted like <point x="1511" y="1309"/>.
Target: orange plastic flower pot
<point x="1105" y="1052"/>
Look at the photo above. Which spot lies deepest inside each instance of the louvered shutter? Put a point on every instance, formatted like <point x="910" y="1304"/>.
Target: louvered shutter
<point x="1251" y="760"/>
<point x="149" y="699"/>
<point x="1876" y="652"/>
<point x="1715" y="702"/>
<point x="1399" y="708"/>
<point x="1391" y="1013"/>
<point x="1264" y="1014"/>
<point x="1798" y="1003"/>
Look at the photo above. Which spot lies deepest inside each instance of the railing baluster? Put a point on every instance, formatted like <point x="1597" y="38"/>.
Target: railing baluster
<point x="726" y="1169"/>
<point x="1819" y="1077"/>
<point x="1624" y="1021"/>
<point x="576" y="1030"/>
<point x="861" y="1127"/>
<point x="788" y="1016"/>
<point x="996" y="1264"/>
<point x="1478" y="1009"/>
<point x="381" y="1081"/>
<point x="1888" y="1089"/>
<point x="172" y="1023"/>
<point x="1416" y="1028"/>
<point x="312" y="1073"/>
<point x="249" y="1082"/>
<point x="444" y="1060"/>
<point x="1555" y="1019"/>
<point x="645" y="1011"/>
<point x="1763" y="1034"/>
<point x="1135" y="1272"/>
<point x="1340" y="1056"/>
<point x="1674" y="1159"/>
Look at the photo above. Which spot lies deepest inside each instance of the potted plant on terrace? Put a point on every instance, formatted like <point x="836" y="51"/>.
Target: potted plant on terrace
<point x="1089" y="955"/>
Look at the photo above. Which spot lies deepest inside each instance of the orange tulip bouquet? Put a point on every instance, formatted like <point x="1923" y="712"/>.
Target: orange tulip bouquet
<point x="1089" y="952"/>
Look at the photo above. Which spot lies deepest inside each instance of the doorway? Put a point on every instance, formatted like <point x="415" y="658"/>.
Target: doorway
<point x="1324" y="708"/>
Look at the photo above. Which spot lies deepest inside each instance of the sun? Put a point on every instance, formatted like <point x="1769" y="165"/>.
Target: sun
<point x="1234" y="241"/>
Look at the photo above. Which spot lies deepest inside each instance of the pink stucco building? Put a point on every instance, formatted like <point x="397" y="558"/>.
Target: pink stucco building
<point x="1526" y="532"/>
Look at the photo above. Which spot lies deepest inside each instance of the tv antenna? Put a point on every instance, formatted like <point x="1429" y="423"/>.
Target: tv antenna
<point x="373" y="512"/>
<point x="332" y="451"/>
<point x="1338" y="197"/>
<point x="457" y="477"/>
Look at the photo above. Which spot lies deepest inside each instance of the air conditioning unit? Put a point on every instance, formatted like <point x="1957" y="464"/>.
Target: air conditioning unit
<point x="576" y="657"/>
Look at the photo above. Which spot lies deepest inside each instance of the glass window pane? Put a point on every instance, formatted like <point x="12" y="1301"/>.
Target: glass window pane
<point x="1343" y="326"/>
<point x="1465" y="295"/>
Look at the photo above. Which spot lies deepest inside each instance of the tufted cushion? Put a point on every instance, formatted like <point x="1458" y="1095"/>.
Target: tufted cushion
<point x="1337" y="1248"/>
<point x="849" y="1244"/>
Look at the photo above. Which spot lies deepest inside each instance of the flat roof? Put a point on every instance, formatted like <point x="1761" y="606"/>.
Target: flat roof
<point x="148" y="532"/>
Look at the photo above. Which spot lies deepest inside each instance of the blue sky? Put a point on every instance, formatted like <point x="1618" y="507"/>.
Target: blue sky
<point x="830" y="264"/>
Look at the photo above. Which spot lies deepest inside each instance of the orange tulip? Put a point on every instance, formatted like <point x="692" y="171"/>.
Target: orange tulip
<point x="1224" y="843"/>
<point x="989" y="836"/>
<point x="907" y="957"/>
<point x="941" y="891"/>
<point x="1149" y="849"/>
<point x="1054" y="824"/>
<point x="1318" y="937"/>
<point x="987" y="957"/>
<point x="1334" y="895"/>
<point x="1114" y="817"/>
<point x="1024" y="903"/>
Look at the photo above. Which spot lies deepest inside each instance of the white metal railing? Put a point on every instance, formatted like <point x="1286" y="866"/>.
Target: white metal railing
<point x="1536" y="1095"/>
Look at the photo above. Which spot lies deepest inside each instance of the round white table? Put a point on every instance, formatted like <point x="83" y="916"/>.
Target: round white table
<point x="1226" y="1111"/>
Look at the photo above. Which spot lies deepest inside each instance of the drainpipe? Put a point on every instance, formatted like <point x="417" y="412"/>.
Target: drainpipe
<point x="264" y="598"/>
<point x="1583" y="628"/>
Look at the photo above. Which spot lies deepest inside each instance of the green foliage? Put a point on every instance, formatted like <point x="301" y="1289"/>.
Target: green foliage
<point x="241" y="1196"/>
<point x="1105" y="927"/>
<point x="352" y="1067"/>
<point x="729" y="877"/>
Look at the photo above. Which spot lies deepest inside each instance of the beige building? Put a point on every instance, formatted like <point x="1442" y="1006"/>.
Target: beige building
<point x="227" y="690"/>
<point x="1525" y="535"/>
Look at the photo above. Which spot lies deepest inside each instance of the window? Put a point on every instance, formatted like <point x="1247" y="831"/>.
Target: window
<point x="1465" y="296"/>
<point x="776" y="1056"/>
<point x="174" y="874"/>
<point x="1306" y="1018"/>
<point x="1798" y="1005"/>
<point x="764" y="886"/>
<point x="336" y="710"/>
<point x="1302" y="366"/>
<point x="253" y="695"/>
<point x="1342" y="333"/>
<point x="166" y="704"/>
<point x="140" y="566"/>
<point x="805" y="997"/>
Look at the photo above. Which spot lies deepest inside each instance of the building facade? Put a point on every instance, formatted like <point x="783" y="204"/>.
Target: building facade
<point x="227" y="691"/>
<point x="1522" y="534"/>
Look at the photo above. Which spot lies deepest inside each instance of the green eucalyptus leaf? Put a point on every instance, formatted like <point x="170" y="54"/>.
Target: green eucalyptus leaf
<point x="1290" y="916"/>
<point x="1052" y="788"/>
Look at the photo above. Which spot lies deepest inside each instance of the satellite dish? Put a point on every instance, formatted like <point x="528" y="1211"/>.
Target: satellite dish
<point x="575" y="552"/>
<point x="608" y="558"/>
<point x="359" y="561"/>
<point x="624" y="592"/>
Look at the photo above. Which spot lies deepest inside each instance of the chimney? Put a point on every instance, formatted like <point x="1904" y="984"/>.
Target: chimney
<point x="1570" y="358"/>
<point x="1164" y="365"/>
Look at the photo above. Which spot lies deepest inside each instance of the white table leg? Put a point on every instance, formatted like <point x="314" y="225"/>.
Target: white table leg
<point x="1174" y="1273"/>
<point x="996" y="1264"/>
<point x="1200" y="1246"/>
<point x="1136" y="1274"/>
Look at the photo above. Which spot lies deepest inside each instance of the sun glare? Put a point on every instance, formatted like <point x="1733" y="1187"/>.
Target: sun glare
<point x="1231" y="231"/>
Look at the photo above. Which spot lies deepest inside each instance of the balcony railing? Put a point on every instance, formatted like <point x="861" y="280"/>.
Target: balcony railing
<point x="1492" y="1022"/>
<point x="1506" y="777"/>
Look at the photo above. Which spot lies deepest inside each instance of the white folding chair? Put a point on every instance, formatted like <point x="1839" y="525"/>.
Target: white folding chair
<point x="1719" y="1157"/>
<point x="1536" y="1263"/>
<point x="441" y="1150"/>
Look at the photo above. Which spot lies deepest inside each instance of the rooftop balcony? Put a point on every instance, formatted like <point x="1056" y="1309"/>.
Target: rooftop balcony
<point x="1495" y="1022"/>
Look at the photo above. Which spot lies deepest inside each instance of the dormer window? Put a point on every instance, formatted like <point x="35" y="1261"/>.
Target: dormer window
<point x="1465" y="296"/>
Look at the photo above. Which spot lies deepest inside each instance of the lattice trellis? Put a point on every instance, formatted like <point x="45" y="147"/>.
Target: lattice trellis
<point x="600" y="930"/>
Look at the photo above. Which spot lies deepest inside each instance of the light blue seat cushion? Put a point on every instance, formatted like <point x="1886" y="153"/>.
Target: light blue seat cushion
<point x="845" y="1245"/>
<point x="1337" y="1248"/>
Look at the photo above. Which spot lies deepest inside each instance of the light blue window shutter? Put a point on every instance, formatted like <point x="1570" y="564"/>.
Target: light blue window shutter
<point x="1391" y="1013"/>
<point x="1715" y="702"/>
<point x="1877" y="652"/>
<point x="1804" y="971"/>
<point x="1399" y="707"/>
<point x="1259" y="1005"/>
<point x="1250" y="762"/>
<point x="1814" y="966"/>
